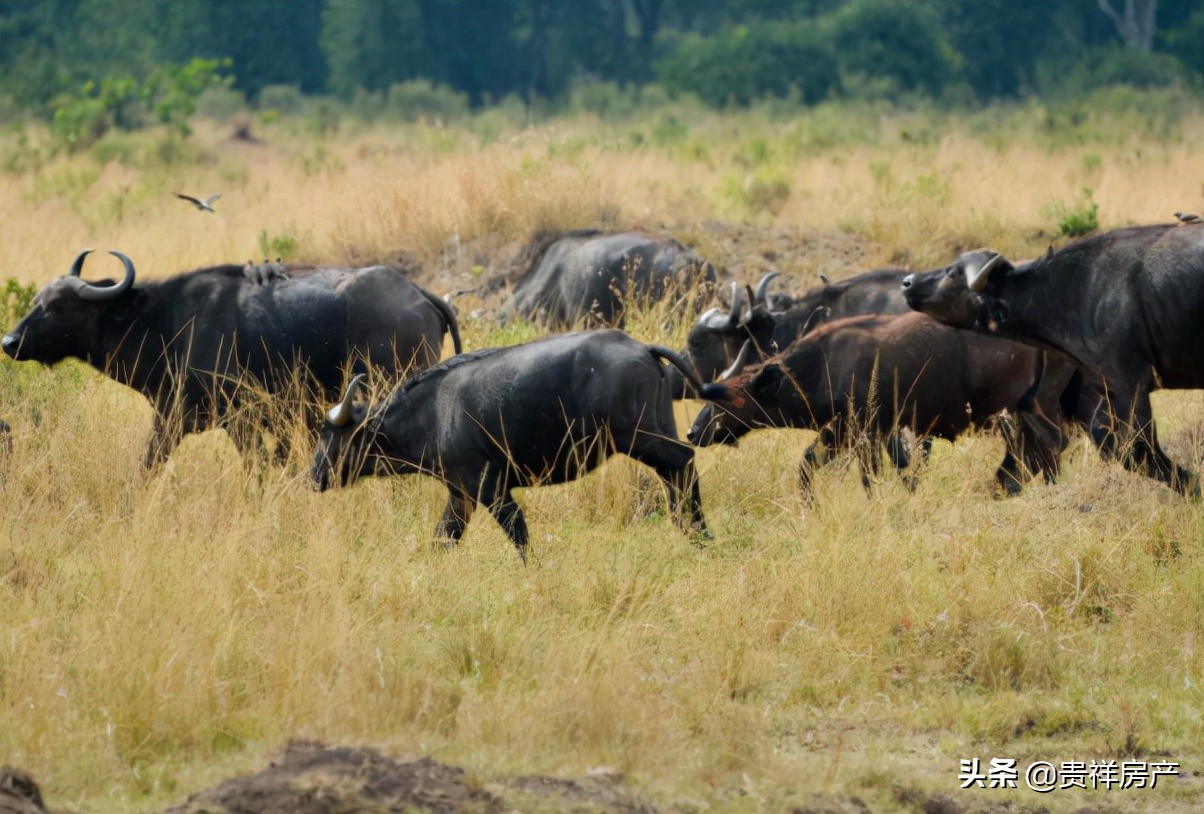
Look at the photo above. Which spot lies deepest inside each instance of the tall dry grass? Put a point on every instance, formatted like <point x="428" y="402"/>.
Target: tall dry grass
<point x="158" y="632"/>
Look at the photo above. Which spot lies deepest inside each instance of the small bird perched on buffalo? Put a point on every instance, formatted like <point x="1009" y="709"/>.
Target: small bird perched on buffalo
<point x="203" y="204"/>
<point x="1188" y="217"/>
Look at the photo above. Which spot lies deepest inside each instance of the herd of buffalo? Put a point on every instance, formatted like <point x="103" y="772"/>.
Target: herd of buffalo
<point x="1080" y="336"/>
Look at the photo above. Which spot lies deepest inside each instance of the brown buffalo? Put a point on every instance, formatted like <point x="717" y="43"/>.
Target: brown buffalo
<point x="865" y="377"/>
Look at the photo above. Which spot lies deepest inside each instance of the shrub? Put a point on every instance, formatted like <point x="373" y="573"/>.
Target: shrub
<point x="17" y="301"/>
<point x="1108" y="67"/>
<point x="1076" y="221"/>
<point x="283" y="245"/>
<point x="221" y="103"/>
<point x="604" y="99"/>
<point x="1184" y="43"/>
<point x="167" y="95"/>
<point x="284" y="99"/>
<point x="765" y="190"/>
<point x="419" y="98"/>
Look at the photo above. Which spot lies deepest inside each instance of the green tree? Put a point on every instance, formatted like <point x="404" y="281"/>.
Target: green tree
<point x="36" y="49"/>
<point x="269" y="42"/>
<point x="896" y="40"/>
<point x="472" y="45"/>
<point x="1001" y="42"/>
<point x="745" y="63"/>
<point x="372" y="44"/>
<point x="1185" y="42"/>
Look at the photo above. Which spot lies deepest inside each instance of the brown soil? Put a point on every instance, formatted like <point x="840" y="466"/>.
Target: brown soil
<point x="310" y="778"/>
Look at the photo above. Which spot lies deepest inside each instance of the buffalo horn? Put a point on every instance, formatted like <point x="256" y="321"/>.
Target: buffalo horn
<point x="78" y="265"/>
<point x="738" y="365"/>
<point x="714" y="319"/>
<point x="101" y="293"/>
<point x="340" y="414"/>
<point x="734" y="316"/>
<point x="977" y="280"/>
<point x="763" y="286"/>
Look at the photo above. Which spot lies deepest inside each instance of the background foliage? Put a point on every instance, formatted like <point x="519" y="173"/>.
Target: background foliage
<point x="725" y="51"/>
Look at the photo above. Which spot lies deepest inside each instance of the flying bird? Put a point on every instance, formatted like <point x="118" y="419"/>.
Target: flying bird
<point x="203" y="204"/>
<point x="1187" y="217"/>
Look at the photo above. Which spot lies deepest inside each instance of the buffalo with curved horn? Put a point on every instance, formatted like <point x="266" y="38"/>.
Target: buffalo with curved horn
<point x="1123" y="304"/>
<point x="497" y="419"/>
<point x="200" y="344"/>
<point x="871" y="375"/>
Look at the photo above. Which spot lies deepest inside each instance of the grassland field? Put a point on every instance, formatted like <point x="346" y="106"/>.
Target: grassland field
<point x="160" y="633"/>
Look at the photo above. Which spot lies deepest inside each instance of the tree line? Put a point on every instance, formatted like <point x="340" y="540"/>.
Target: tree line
<point x="724" y="51"/>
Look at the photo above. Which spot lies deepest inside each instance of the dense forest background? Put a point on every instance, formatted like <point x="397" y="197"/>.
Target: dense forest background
<point x="726" y="52"/>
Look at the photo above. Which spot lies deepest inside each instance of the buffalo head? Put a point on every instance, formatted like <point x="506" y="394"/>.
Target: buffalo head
<point x="70" y="315"/>
<point x="345" y="446"/>
<point x="717" y="337"/>
<point x="957" y="294"/>
<point x="740" y="402"/>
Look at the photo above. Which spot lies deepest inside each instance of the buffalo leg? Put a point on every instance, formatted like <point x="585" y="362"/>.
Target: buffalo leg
<point x="674" y="463"/>
<point x="813" y="458"/>
<point x="455" y="517"/>
<point x="870" y="457"/>
<point x="1145" y="455"/>
<point x="1042" y="443"/>
<point x="1012" y="474"/>
<point x="901" y="457"/>
<point x="808" y="465"/>
<point x="896" y="450"/>
<point x="510" y="517"/>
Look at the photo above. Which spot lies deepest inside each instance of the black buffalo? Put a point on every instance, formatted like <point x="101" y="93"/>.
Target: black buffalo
<point x="1125" y="305"/>
<point x="489" y="421"/>
<point x="590" y="276"/>
<point x="718" y="336"/>
<point x="862" y="378"/>
<point x="200" y="343"/>
<point x="754" y="323"/>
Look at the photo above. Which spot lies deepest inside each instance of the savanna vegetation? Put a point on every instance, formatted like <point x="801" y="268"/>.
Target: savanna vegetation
<point x="160" y="632"/>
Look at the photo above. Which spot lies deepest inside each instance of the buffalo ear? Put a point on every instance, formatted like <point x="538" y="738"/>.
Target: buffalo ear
<point x="714" y="391"/>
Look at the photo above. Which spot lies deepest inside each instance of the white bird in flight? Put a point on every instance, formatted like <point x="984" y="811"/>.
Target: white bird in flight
<point x="203" y="204"/>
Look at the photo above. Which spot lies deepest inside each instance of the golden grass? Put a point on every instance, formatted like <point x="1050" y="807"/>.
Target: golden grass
<point x="157" y="633"/>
